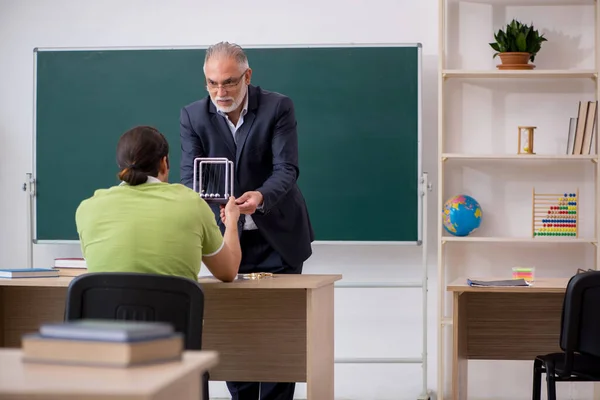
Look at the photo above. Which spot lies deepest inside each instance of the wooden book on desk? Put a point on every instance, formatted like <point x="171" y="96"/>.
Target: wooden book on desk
<point x="103" y="343"/>
<point x="28" y="273"/>
<point x="39" y="349"/>
<point x="70" y="266"/>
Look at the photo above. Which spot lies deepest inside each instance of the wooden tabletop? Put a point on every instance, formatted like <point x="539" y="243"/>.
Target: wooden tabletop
<point x="283" y="281"/>
<point x="29" y="379"/>
<point x="541" y="285"/>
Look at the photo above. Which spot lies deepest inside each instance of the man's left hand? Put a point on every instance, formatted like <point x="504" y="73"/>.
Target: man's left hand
<point x="249" y="201"/>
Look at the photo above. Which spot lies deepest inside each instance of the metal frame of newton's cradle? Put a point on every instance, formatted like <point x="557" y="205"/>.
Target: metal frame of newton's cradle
<point x="197" y="177"/>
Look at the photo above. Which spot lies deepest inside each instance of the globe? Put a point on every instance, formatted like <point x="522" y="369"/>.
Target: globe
<point x="461" y="215"/>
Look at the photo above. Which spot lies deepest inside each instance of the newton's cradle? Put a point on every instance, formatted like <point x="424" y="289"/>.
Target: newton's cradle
<point x="213" y="179"/>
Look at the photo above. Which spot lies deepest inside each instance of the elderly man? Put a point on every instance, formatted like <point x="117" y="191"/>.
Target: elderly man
<point x="256" y="129"/>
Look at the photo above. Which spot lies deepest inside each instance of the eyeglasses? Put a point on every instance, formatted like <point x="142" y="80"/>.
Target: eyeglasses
<point x="228" y="84"/>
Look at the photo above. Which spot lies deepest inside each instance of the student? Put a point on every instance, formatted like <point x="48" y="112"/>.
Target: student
<point x="147" y="225"/>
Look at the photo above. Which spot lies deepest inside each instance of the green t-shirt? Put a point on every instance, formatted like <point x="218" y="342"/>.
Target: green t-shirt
<point x="154" y="227"/>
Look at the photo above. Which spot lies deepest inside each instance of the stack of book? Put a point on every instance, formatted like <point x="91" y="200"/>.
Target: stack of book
<point x="582" y="128"/>
<point x="70" y="266"/>
<point x="107" y="343"/>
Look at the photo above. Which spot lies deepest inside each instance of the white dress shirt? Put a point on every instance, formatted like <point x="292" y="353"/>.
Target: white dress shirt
<point x="249" y="223"/>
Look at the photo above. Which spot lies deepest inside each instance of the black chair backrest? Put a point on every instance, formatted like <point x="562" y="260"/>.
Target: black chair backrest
<point x="143" y="297"/>
<point x="580" y="331"/>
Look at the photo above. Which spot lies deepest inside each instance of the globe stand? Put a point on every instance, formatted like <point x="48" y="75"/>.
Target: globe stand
<point x="213" y="179"/>
<point x="555" y="215"/>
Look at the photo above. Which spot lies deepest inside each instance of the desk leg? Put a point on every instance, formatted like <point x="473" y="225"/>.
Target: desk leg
<point x="459" y="347"/>
<point x="320" y="344"/>
<point x="596" y="393"/>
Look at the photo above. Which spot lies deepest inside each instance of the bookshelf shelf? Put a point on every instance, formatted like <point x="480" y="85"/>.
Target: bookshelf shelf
<point x="529" y="240"/>
<point x="520" y="157"/>
<point x="528" y="74"/>
<point x="480" y="109"/>
<point x="540" y="3"/>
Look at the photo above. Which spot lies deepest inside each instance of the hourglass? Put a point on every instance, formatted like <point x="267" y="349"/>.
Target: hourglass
<point x="526" y="139"/>
<point x="213" y="179"/>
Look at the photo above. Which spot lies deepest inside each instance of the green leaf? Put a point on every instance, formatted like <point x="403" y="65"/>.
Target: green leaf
<point x="521" y="42"/>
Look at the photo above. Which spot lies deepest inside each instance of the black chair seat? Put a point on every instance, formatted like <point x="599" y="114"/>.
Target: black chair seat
<point x="584" y="368"/>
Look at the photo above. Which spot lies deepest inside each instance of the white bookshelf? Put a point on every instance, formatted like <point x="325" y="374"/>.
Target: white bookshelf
<point x="459" y="64"/>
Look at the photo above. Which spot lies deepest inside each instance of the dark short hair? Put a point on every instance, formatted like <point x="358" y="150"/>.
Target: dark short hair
<point x="139" y="152"/>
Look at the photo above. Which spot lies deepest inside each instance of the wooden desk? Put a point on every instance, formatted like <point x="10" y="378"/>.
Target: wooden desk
<point x="168" y="381"/>
<point x="277" y="329"/>
<point x="503" y="323"/>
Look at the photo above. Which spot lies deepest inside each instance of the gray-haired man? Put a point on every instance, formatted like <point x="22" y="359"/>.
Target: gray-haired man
<point x="256" y="129"/>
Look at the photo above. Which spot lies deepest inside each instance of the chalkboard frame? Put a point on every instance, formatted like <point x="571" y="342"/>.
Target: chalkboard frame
<point x="30" y="179"/>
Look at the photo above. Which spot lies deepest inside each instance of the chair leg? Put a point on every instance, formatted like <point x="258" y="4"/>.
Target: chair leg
<point x="537" y="380"/>
<point x="550" y="382"/>
<point x="205" y="394"/>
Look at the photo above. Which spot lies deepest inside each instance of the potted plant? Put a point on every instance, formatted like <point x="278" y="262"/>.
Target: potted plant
<point x="517" y="45"/>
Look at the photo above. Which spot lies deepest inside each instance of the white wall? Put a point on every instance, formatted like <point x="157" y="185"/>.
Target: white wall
<point x="368" y="322"/>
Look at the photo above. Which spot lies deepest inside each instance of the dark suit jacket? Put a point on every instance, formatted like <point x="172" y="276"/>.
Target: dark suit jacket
<point x="265" y="159"/>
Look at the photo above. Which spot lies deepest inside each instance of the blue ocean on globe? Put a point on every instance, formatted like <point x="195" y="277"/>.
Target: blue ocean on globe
<point x="461" y="215"/>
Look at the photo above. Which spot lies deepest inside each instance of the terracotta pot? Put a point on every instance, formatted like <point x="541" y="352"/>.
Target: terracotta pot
<point x="517" y="59"/>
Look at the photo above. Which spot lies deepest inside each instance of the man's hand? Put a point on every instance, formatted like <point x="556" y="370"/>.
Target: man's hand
<point x="249" y="201"/>
<point x="230" y="212"/>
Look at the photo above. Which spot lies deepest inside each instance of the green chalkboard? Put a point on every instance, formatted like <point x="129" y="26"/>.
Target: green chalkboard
<point x="359" y="128"/>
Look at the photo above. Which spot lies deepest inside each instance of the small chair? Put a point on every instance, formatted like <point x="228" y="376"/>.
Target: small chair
<point x="143" y="297"/>
<point x="579" y="338"/>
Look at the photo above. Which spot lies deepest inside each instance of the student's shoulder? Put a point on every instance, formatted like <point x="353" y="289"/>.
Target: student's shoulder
<point x="189" y="201"/>
<point x="181" y="189"/>
<point x="97" y="199"/>
<point x="184" y="192"/>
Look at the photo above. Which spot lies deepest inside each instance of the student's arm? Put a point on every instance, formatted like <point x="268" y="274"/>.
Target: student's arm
<point x="222" y="254"/>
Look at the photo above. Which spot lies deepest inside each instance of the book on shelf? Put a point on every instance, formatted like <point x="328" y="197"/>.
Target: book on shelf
<point x="108" y="343"/>
<point x="28" y="273"/>
<point x="582" y="129"/>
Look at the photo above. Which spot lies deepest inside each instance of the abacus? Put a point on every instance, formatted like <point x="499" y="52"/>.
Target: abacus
<point x="213" y="179"/>
<point x="555" y="215"/>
